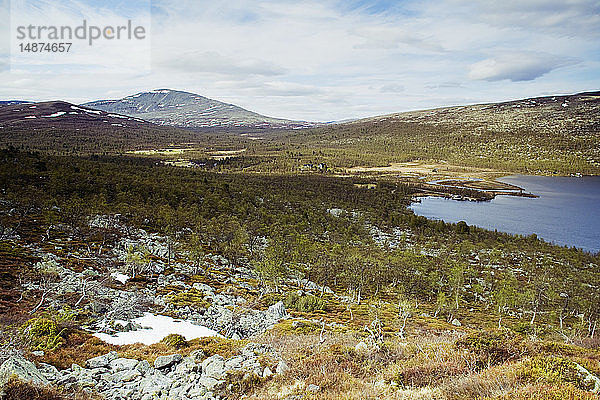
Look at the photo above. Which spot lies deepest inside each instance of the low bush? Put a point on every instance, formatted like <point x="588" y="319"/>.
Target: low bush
<point x="18" y="390"/>
<point x="305" y="303"/>
<point x="553" y="370"/>
<point x="175" y="340"/>
<point x="493" y="347"/>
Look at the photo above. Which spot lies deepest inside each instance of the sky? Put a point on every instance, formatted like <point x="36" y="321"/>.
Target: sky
<point x="329" y="59"/>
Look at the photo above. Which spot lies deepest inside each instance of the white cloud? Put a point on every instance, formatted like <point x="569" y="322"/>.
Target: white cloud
<point x="517" y="66"/>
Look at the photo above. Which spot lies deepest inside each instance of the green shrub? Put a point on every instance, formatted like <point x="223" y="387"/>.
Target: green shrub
<point x="493" y="347"/>
<point x="175" y="340"/>
<point x="307" y="303"/>
<point x="44" y="333"/>
<point x="553" y="370"/>
<point x="190" y="298"/>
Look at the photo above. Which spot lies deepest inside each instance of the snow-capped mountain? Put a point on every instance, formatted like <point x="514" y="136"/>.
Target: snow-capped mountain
<point x="184" y="109"/>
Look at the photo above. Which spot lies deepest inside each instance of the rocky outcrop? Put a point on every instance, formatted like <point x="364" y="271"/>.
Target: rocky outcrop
<point x="22" y="369"/>
<point x="171" y="377"/>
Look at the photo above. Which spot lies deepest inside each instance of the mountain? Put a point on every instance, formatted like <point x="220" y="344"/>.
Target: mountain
<point x="65" y="127"/>
<point x="12" y="102"/>
<point x="189" y="110"/>
<point x="60" y="114"/>
<point x="542" y="135"/>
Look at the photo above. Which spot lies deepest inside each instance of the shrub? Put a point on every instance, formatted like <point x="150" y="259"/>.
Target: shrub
<point x="44" y="333"/>
<point x="546" y="392"/>
<point x="493" y="347"/>
<point x="307" y="303"/>
<point x="191" y="298"/>
<point x="239" y="383"/>
<point x="553" y="370"/>
<point x="175" y="340"/>
<point x="18" y="390"/>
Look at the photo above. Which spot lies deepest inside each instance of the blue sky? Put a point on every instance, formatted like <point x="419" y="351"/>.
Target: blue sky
<point x="332" y="59"/>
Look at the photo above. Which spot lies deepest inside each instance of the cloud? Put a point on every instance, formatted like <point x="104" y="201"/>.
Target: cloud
<point x="391" y="38"/>
<point x="333" y="59"/>
<point x="392" y="88"/>
<point x="213" y="62"/>
<point x="517" y="66"/>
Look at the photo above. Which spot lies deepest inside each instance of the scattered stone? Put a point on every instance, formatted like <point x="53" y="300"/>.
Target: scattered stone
<point x="282" y="368"/>
<point x="163" y="362"/>
<point x="362" y="347"/>
<point x="101" y="361"/>
<point x="456" y="322"/>
<point x="313" y="388"/>
<point x="267" y="372"/>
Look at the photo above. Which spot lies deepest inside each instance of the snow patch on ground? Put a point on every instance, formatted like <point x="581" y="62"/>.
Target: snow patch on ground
<point x="31" y="117"/>
<point x="120" y="277"/>
<point x="155" y="328"/>
<point x="56" y="114"/>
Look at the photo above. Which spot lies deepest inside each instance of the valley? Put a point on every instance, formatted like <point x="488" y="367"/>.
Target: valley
<point x="145" y="258"/>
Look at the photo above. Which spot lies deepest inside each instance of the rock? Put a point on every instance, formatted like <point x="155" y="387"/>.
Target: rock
<point x="267" y="372"/>
<point x="122" y="364"/>
<point x="143" y="367"/>
<point x="101" y="361"/>
<point x="163" y="362"/>
<point x="277" y="311"/>
<point x="589" y="378"/>
<point x="456" y="322"/>
<point x="234" y="363"/>
<point x="208" y="382"/>
<point x="38" y="353"/>
<point x="155" y="384"/>
<point x="22" y="369"/>
<point x="213" y="367"/>
<point x="197" y="356"/>
<point x="313" y="388"/>
<point x="282" y="368"/>
<point x="362" y="347"/>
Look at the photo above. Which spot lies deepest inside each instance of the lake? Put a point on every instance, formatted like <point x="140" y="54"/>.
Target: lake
<point x="566" y="213"/>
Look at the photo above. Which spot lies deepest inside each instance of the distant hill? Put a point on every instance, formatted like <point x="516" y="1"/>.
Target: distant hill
<point x="58" y="126"/>
<point x="189" y="110"/>
<point x="12" y="102"/>
<point x="547" y="135"/>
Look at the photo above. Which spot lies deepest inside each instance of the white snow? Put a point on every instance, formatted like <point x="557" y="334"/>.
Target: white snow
<point x="78" y="108"/>
<point x="33" y="107"/>
<point x="117" y="116"/>
<point x="155" y="328"/>
<point x="31" y="117"/>
<point x="56" y="114"/>
<point x="120" y="277"/>
<point x="565" y="104"/>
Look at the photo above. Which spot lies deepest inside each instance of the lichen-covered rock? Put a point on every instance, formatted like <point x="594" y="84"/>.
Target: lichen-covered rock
<point x="22" y="369"/>
<point x="163" y="362"/>
<point x="102" y="361"/>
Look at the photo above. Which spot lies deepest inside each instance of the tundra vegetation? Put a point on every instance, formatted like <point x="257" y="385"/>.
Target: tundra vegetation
<point x="401" y="307"/>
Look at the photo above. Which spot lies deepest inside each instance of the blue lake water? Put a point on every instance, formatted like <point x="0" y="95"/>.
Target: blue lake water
<point x="566" y="213"/>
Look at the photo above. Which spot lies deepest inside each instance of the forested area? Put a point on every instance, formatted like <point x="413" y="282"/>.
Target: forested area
<point x="333" y="231"/>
